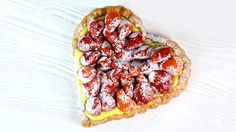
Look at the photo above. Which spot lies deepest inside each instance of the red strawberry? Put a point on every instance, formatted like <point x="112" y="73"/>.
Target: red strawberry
<point x="143" y="93"/>
<point x="86" y="43"/>
<point x="112" y="20"/>
<point x="108" y="86"/>
<point x="170" y="66"/>
<point x="108" y="102"/>
<point x="124" y="29"/>
<point x="92" y="88"/>
<point x="119" y="46"/>
<point x="98" y="41"/>
<point x="104" y="63"/>
<point x="90" y="57"/>
<point x="161" y="80"/>
<point x="126" y="78"/>
<point x="128" y="89"/>
<point x="161" y="54"/>
<point x="86" y="74"/>
<point x="93" y="106"/>
<point x="106" y="49"/>
<point x="115" y="73"/>
<point x="149" y="66"/>
<point x="141" y="78"/>
<point x="95" y="28"/>
<point x="158" y="76"/>
<point x="102" y="75"/>
<point x="111" y="37"/>
<point x="143" y="52"/>
<point x="124" y="56"/>
<point x="134" y="68"/>
<point x="135" y="40"/>
<point x="120" y="64"/>
<point x="165" y="87"/>
<point x="124" y="102"/>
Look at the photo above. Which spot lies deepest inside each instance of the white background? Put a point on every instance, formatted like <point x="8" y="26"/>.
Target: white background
<point x="37" y="85"/>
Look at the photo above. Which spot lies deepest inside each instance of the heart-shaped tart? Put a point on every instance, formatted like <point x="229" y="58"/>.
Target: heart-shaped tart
<point x="121" y="70"/>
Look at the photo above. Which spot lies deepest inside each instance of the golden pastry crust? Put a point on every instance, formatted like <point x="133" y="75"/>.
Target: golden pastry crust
<point x="178" y="52"/>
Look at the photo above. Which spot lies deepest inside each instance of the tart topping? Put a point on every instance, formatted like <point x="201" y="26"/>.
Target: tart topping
<point x="104" y="63"/>
<point x="134" y="41"/>
<point x="119" y="70"/>
<point x="108" y="102"/>
<point x="161" y="54"/>
<point x="108" y="87"/>
<point x="124" y="102"/>
<point x="143" y="93"/>
<point x="92" y="88"/>
<point x="106" y="49"/>
<point x="124" y="29"/>
<point x="90" y="57"/>
<point x="119" y="46"/>
<point x="128" y="89"/>
<point x="86" y="74"/>
<point x="93" y="106"/>
<point x="161" y="80"/>
<point x="112" y="37"/>
<point x="143" y="52"/>
<point x="86" y="43"/>
<point x="95" y="28"/>
<point x="112" y="20"/>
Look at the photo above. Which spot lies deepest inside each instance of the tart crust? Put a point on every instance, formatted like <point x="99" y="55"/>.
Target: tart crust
<point x="178" y="52"/>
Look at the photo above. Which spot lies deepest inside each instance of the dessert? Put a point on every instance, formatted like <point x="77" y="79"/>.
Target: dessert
<point x="121" y="70"/>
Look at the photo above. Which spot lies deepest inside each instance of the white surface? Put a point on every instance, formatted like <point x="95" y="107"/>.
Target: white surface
<point x="37" y="85"/>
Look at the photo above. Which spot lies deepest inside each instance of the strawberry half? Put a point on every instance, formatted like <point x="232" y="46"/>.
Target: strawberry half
<point x="124" y="102"/>
<point x="112" y="20"/>
<point x="143" y="93"/>
<point x="95" y="28"/>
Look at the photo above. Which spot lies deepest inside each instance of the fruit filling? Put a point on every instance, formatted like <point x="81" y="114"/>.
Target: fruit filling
<point x="119" y="71"/>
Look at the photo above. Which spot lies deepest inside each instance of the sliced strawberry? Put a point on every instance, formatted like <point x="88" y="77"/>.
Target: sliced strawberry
<point x="143" y="93"/>
<point x="119" y="46"/>
<point x="92" y="88"/>
<point x="115" y="73"/>
<point x="90" y="57"/>
<point x="108" y="102"/>
<point x="111" y="37"/>
<point x="170" y="66"/>
<point x="135" y="41"/>
<point x="124" y="56"/>
<point x="143" y="52"/>
<point x="134" y="68"/>
<point x="148" y="67"/>
<point x="93" y="106"/>
<point x="161" y="54"/>
<point x="102" y="75"/>
<point x="141" y="78"/>
<point x="98" y="41"/>
<point x="165" y="87"/>
<point x="161" y="80"/>
<point x="106" y="49"/>
<point x="124" y="102"/>
<point x="158" y="76"/>
<point x="124" y="29"/>
<point x="123" y="65"/>
<point x="104" y="63"/>
<point x="86" y="74"/>
<point x="112" y="20"/>
<point x="95" y="28"/>
<point x="108" y="86"/>
<point x="126" y="78"/>
<point x="86" y="43"/>
<point x="128" y="89"/>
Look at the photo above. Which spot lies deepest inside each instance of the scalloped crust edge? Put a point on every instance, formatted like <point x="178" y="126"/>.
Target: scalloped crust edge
<point x="178" y="51"/>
